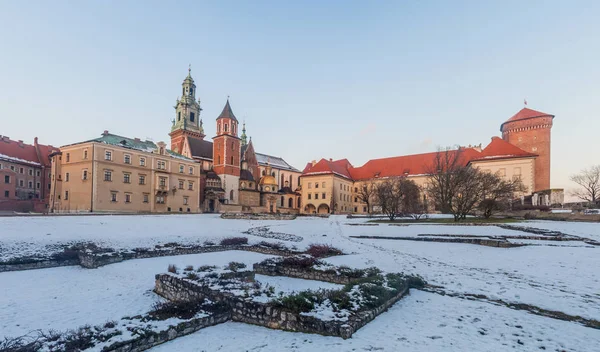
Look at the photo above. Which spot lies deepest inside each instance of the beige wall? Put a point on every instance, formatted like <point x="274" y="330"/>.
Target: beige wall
<point x="286" y="175"/>
<point x="512" y="168"/>
<point x="322" y="189"/>
<point x="95" y="193"/>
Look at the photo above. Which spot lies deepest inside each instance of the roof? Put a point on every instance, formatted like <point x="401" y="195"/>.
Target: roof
<point x="407" y="165"/>
<point x="129" y="143"/>
<point x="275" y="161"/>
<point x="246" y="175"/>
<point x="338" y="167"/>
<point x="501" y="149"/>
<point x="227" y="113"/>
<point x="19" y="152"/>
<point x="525" y="114"/>
<point x="201" y="148"/>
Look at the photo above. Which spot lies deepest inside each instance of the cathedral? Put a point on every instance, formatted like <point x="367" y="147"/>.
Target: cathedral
<point x="234" y="177"/>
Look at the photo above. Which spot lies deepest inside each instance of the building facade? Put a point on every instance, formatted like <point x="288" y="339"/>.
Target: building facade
<point x="24" y="175"/>
<point x="123" y="175"/>
<point x="523" y="153"/>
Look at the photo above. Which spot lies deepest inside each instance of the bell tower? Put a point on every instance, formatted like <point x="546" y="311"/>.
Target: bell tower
<point x="227" y="153"/>
<point x="187" y="121"/>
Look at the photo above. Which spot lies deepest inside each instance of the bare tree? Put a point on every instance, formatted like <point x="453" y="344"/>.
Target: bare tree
<point x="366" y="193"/>
<point x="445" y="176"/>
<point x="589" y="181"/>
<point x="497" y="192"/>
<point x="412" y="203"/>
<point x="388" y="196"/>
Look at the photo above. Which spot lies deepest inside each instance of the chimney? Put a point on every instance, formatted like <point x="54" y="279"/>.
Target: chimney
<point x="105" y="132"/>
<point x="35" y="141"/>
<point x="330" y="159"/>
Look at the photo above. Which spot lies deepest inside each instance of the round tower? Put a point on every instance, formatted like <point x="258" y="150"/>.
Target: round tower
<point x="530" y="130"/>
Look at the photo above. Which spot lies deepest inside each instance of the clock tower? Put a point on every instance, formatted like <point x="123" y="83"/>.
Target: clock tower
<point x="187" y="121"/>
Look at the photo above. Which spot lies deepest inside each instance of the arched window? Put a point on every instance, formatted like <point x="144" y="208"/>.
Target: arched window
<point x="290" y="203"/>
<point x="282" y="201"/>
<point x="231" y="160"/>
<point x="225" y="127"/>
<point x="232" y="144"/>
<point x="263" y="172"/>
<point x="231" y="195"/>
<point x="298" y="202"/>
<point x="218" y="159"/>
<point x="282" y="181"/>
<point x="179" y="116"/>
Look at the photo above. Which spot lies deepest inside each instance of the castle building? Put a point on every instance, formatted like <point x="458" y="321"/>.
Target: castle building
<point x="234" y="177"/>
<point x="24" y="175"/>
<point x="522" y="153"/>
<point x="113" y="173"/>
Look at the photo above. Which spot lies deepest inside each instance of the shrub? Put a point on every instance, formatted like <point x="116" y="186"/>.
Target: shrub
<point x="19" y="344"/>
<point x="235" y="266"/>
<point x="297" y="303"/>
<point x="189" y="268"/>
<point x="322" y="250"/>
<point x="192" y="276"/>
<point x="80" y="339"/>
<point x="172" y="268"/>
<point x="278" y="245"/>
<point x="299" y="262"/>
<point x="234" y="241"/>
<point x="415" y="281"/>
<point x="206" y="268"/>
<point x="181" y="310"/>
<point x="339" y="298"/>
<point x="110" y="324"/>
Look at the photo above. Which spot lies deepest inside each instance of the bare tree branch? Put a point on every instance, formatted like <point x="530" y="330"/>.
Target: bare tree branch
<point x="589" y="181"/>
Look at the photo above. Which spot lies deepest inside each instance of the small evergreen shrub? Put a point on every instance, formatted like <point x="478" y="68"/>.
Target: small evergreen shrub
<point x="322" y="250"/>
<point x="234" y="241"/>
<point x="235" y="266"/>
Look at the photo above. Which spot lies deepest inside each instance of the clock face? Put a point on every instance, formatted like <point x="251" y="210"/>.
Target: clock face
<point x="267" y="189"/>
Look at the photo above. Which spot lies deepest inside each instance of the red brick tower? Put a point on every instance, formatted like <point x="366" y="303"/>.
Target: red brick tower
<point x="227" y="153"/>
<point x="530" y="130"/>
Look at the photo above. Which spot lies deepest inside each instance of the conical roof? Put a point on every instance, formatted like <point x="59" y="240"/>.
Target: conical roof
<point x="227" y="113"/>
<point x="526" y="113"/>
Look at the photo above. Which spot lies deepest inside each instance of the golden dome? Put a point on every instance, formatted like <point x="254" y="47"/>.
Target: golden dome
<point x="268" y="180"/>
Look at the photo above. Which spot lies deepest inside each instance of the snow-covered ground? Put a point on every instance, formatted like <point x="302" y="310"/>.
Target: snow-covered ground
<point x="563" y="278"/>
<point x="420" y="322"/>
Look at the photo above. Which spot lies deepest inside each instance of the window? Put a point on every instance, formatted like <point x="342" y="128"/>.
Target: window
<point x="142" y="180"/>
<point x="364" y="209"/>
<point x="30" y="184"/>
<point x="185" y="200"/>
<point x="30" y="172"/>
<point x="142" y="161"/>
<point x="355" y="199"/>
<point x="355" y="189"/>
<point x="316" y="195"/>
<point x="85" y="154"/>
<point x="226" y="129"/>
<point x="145" y="197"/>
<point x="309" y="196"/>
<point x="181" y="167"/>
<point x="180" y="184"/>
<point x="323" y="185"/>
<point x="219" y="159"/>
<point x="1" y="167"/>
<point x="179" y="116"/>
<point x="126" y="178"/>
<point x="6" y="179"/>
<point x="161" y="165"/>
<point x="323" y="195"/>
<point x="21" y="183"/>
<point x="162" y="182"/>
<point x="191" y="170"/>
<point x="355" y="209"/>
<point x="230" y="192"/>
<point x="67" y="177"/>
<point x="191" y="186"/>
<point x="21" y="170"/>
<point x="66" y="195"/>
<point x="282" y="201"/>
<point x="232" y="144"/>
<point x="107" y="175"/>
<point x="113" y="196"/>
<point x="37" y="173"/>
<point x="231" y="160"/>
<point x="6" y="194"/>
<point x="160" y="199"/>
<point x="309" y="185"/>
<point x="127" y="159"/>
<point x="108" y="155"/>
<point x="38" y="185"/>
<point x="192" y="116"/>
<point x="341" y="187"/>
<point x="127" y="198"/>
<point x="12" y="168"/>
<point x="68" y="159"/>
<point x="316" y="184"/>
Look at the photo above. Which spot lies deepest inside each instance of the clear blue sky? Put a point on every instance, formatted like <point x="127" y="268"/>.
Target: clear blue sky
<point x="312" y="79"/>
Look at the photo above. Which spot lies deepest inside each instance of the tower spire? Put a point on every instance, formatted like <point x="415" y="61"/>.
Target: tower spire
<point x="244" y="137"/>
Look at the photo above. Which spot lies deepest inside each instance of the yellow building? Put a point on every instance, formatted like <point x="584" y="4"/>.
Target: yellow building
<point x="118" y="174"/>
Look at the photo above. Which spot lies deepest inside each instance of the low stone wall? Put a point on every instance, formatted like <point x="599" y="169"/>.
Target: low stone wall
<point x="268" y="315"/>
<point x="143" y="343"/>
<point x="267" y="216"/>
<point x="301" y="273"/>
<point x="479" y="241"/>
<point x="42" y="264"/>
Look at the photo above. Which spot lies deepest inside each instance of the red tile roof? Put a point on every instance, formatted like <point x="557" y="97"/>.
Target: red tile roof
<point x="525" y="114"/>
<point x="17" y="151"/>
<point x="407" y="165"/>
<point x="501" y="149"/>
